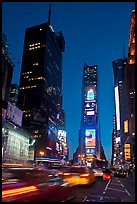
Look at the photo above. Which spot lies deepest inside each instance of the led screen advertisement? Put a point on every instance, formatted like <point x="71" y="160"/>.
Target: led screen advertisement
<point x="90" y="139"/>
<point x="90" y="150"/>
<point x="90" y="132"/>
<point x="90" y="108"/>
<point x="127" y="151"/>
<point x="90" y="94"/>
<point x="62" y="136"/>
<point x="117" y="107"/>
<point x="14" y="114"/>
<point x="62" y="133"/>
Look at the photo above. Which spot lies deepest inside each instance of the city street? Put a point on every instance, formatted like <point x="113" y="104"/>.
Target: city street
<point x="121" y="188"/>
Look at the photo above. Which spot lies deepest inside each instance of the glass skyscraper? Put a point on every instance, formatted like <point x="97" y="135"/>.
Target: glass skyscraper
<point x="40" y="88"/>
<point x="89" y="138"/>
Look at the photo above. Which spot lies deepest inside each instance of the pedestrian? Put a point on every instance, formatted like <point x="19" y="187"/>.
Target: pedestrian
<point x="131" y="173"/>
<point x="128" y="172"/>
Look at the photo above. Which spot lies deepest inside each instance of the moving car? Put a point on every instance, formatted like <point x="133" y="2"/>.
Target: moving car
<point x="120" y="172"/>
<point x="98" y="172"/>
<point x="107" y="174"/>
<point x="79" y="175"/>
<point x="28" y="185"/>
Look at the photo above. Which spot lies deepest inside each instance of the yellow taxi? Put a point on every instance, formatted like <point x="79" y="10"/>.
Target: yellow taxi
<point x="79" y="175"/>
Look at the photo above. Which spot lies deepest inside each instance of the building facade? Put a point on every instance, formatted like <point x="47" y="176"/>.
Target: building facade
<point x="14" y="93"/>
<point x="128" y="100"/>
<point x="89" y="138"/>
<point x="125" y="102"/>
<point x="119" y="66"/>
<point x="7" y="73"/>
<point x="40" y="88"/>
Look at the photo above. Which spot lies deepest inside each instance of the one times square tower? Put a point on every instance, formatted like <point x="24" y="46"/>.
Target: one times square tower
<point x="89" y="116"/>
<point x="40" y="88"/>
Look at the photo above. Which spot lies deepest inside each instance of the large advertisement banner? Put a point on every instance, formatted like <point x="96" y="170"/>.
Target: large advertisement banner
<point x="127" y="151"/>
<point x="14" y="114"/>
<point x="90" y="150"/>
<point x="90" y="139"/>
<point x="90" y="94"/>
<point x="90" y="142"/>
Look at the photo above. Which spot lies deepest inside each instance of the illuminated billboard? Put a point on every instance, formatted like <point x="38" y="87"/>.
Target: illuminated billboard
<point x="90" y="150"/>
<point x="90" y="94"/>
<point x="90" y="142"/>
<point x="62" y="136"/>
<point x="90" y="139"/>
<point x="62" y="133"/>
<point x="90" y="132"/>
<point x="90" y="113"/>
<point x="118" y="140"/>
<point x="127" y="151"/>
<point x="14" y="114"/>
<point x="125" y="126"/>
<point x="117" y="107"/>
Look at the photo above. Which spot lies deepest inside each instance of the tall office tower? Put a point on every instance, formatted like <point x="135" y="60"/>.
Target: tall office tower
<point x="128" y="100"/>
<point x="89" y="139"/>
<point x="14" y="93"/>
<point x="40" y="88"/>
<point x="131" y="41"/>
<point x="118" y="69"/>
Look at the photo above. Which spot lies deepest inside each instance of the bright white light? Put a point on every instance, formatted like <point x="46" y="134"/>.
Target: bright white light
<point x="117" y="108"/>
<point x="117" y="139"/>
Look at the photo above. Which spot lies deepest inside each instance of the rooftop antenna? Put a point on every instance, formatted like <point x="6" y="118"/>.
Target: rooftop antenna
<point x="124" y="50"/>
<point x="49" y="14"/>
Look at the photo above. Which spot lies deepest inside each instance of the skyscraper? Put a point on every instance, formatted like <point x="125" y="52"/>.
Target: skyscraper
<point x="89" y="138"/>
<point x="128" y="100"/>
<point x="40" y="88"/>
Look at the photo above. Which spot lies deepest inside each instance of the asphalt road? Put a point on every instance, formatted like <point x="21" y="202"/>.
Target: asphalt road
<point x="119" y="187"/>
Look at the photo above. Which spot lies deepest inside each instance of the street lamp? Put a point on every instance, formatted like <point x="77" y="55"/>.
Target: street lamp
<point x="41" y="153"/>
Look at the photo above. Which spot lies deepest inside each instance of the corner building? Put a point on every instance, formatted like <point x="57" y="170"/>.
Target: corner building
<point x="89" y="139"/>
<point x="41" y="86"/>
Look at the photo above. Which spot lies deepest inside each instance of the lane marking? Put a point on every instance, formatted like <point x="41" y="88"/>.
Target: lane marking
<point x="107" y="185"/>
<point x="116" y="189"/>
<point x="124" y="188"/>
<point x="127" y="192"/>
<point x="122" y="185"/>
<point x="101" y="197"/>
<point x="85" y="199"/>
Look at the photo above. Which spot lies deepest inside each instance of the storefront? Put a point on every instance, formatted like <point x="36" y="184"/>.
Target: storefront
<point x="16" y="145"/>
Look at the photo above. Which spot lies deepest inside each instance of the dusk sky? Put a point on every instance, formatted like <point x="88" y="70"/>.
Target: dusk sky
<point x="94" y="33"/>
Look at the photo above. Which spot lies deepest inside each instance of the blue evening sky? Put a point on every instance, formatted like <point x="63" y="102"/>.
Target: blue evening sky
<point x="94" y="33"/>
